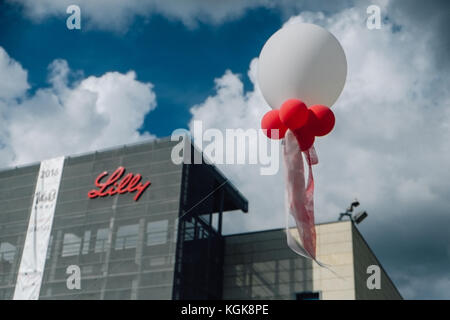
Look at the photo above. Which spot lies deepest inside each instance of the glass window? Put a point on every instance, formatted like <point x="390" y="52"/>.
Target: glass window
<point x="127" y="237"/>
<point x="49" y="248"/>
<point x="86" y="242"/>
<point x="71" y="245"/>
<point x="88" y="270"/>
<point x="101" y="240"/>
<point x="308" y="296"/>
<point x="157" y="232"/>
<point x="175" y="231"/>
<point x="7" y="252"/>
<point x="157" y="261"/>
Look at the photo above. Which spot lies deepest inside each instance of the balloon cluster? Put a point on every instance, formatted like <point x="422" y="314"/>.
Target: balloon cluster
<point x="306" y="123"/>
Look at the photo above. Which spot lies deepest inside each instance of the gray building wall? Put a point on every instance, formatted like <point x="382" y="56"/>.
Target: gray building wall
<point x="260" y="266"/>
<point x="16" y="197"/>
<point x="125" y="249"/>
<point x="364" y="257"/>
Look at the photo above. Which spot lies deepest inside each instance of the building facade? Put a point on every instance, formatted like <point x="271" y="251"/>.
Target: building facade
<point x="129" y="223"/>
<point x="260" y="265"/>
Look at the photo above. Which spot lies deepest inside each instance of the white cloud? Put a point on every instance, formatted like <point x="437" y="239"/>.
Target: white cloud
<point x="391" y="125"/>
<point x="13" y="78"/>
<point x="119" y="14"/>
<point x="390" y="146"/>
<point x="68" y="118"/>
<point x="232" y="108"/>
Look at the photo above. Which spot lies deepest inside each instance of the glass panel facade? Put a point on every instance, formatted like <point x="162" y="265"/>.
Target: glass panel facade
<point x="127" y="237"/>
<point x="157" y="232"/>
<point x="125" y="249"/>
<point x="119" y="244"/>
<point x="71" y="245"/>
<point x="16" y="196"/>
<point x="260" y="265"/>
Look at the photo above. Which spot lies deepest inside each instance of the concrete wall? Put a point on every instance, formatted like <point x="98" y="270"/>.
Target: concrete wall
<point x="334" y="248"/>
<point x="260" y="265"/>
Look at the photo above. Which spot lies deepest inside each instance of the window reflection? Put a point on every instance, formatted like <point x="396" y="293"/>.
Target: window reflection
<point x="101" y="240"/>
<point x="7" y="252"/>
<point x="71" y="245"/>
<point x="86" y="242"/>
<point x="157" y="232"/>
<point x="127" y="237"/>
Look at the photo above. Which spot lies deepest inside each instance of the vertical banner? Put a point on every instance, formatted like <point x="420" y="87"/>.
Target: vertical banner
<point x="32" y="264"/>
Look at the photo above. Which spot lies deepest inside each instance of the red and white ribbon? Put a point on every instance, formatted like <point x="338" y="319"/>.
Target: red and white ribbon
<point x="299" y="198"/>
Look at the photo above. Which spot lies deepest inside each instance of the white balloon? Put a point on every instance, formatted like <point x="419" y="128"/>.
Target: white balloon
<point x="302" y="61"/>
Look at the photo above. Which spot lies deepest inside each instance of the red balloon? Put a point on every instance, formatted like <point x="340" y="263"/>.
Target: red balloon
<point x="293" y="113"/>
<point x="305" y="137"/>
<point x="321" y="120"/>
<point x="271" y="121"/>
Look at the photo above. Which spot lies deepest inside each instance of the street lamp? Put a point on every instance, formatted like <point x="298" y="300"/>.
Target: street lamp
<point x="357" y="218"/>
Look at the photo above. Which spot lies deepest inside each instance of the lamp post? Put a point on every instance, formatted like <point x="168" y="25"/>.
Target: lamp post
<point x="357" y="218"/>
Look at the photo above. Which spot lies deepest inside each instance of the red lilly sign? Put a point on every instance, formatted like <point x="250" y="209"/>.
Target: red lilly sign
<point x="129" y="183"/>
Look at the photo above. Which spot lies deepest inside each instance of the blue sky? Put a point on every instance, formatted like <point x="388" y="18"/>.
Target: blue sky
<point x="181" y="62"/>
<point x="143" y="68"/>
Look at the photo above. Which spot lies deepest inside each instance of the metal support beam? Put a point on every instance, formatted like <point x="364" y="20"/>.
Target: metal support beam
<point x="221" y="201"/>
